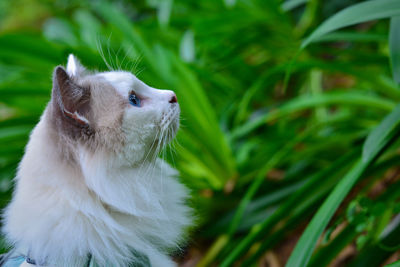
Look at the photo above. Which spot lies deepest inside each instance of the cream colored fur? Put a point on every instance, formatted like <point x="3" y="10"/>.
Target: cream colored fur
<point x="109" y="195"/>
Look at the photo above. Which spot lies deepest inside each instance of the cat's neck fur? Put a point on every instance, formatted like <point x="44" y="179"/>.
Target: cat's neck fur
<point x="79" y="203"/>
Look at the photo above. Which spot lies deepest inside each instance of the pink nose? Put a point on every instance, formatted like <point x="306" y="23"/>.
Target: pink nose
<point x="173" y="99"/>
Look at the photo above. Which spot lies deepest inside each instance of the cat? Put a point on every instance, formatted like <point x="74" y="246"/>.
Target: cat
<point x="90" y="185"/>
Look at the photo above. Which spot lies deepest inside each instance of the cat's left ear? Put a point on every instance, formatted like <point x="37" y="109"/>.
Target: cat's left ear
<point x="70" y="100"/>
<point x="74" y="67"/>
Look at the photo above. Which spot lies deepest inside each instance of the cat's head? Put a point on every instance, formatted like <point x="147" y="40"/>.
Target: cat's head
<point x="113" y="112"/>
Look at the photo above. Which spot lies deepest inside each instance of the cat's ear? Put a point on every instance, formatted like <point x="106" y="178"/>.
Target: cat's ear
<point x="70" y="100"/>
<point x="74" y="67"/>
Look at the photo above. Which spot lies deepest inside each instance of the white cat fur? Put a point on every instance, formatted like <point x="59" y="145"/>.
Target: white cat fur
<point x="111" y="199"/>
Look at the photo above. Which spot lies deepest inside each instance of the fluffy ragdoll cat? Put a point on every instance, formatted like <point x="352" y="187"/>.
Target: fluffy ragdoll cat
<point x="90" y="184"/>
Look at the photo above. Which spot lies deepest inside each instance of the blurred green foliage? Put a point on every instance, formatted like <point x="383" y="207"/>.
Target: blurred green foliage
<point x="274" y="127"/>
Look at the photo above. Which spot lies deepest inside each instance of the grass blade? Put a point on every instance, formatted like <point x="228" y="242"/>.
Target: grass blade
<point x="394" y="264"/>
<point x="366" y="11"/>
<point x="292" y="4"/>
<point x="305" y="102"/>
<point x="388" y="129"/>
<point x="394" y="46"/>
<point x="283" y="211"/>
<point x="304" y="248"/>
<point x="381" y="135"/>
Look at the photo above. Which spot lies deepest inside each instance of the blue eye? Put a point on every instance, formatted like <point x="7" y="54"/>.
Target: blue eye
<point x="134" y="100"/>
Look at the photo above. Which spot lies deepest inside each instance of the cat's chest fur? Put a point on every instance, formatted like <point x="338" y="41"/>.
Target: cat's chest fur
<point x="72" y="201"/>
<point x="55" y="218"/>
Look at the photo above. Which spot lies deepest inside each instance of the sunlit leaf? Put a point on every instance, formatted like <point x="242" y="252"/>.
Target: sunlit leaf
<point x="291" y="4"/>
<point x="365" y="11"/>
<point x="394" y="45"/>
<point x="381" y="135"/>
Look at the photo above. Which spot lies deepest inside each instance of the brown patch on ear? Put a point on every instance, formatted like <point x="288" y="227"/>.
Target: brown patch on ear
<point x="70" y="105"/>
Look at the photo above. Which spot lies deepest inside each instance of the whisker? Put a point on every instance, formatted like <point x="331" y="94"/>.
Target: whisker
<point x="101" y="52"/>
<point x="157" y="150"/>
<point x="150" y="150"/>
<point x="117" y="58"/>
<point x="140" y="71"/>
<point x="125" y="57"/>
<point x="109" y="53"/>
<point x="137" y="61"/>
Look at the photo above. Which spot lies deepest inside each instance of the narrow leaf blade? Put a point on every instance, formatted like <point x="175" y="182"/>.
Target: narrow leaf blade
<point x="386" y="130"/>
<point x="366" y="11"/>
<point x="394" y="46"/>
<point x="381" y="135"/>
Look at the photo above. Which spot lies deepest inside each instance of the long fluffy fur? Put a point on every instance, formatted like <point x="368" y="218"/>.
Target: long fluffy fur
<point x="102" y="199"/>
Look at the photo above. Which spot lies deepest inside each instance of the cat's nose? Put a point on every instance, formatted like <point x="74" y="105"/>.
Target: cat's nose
<point x="173" y="99"/>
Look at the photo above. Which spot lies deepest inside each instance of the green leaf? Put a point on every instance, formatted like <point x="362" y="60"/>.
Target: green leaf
<point x="164" y="12"/>
<point x="353" y="36"/>
<point x="394" y="264"/>
<point x="353" y="98"/>
<point x="282" y="153"/>
<point x="14" y="132"/>
<point x="327" y="253"/>
<point x="366" y="11"/>
<point x="316" y="185"/>
<point x="29" y="49"/>
<point x="305" y="246"/>
<point x="373" y="254"/>
<point x="89" y="27"/>
<point x="381" y="135"/>
<point x="60" y="30"/>
<point x="292" y="4"/>
<point x="186" y="48"/>
<point x="388" y="129"/>
<point x="394" y="46"/>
